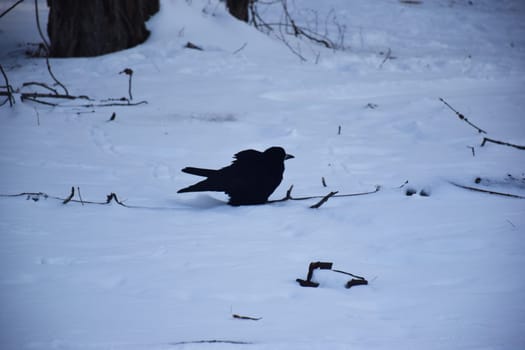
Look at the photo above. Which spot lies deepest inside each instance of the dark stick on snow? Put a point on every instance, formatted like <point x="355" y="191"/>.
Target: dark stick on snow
<point x="240" y="49"/>
<point x="486" y="139"/>
<point x="323" y="200"/>
<point x="462" y="117"/>
<point x="53" y="76"/>
<point x="323" y="181"/>
<point x="11" y="7"/>
<point x="387" y="56"/>
<point x="129" y="73"/>
<point x="190" y="45"/>
<point x="80" y="196"/>
<point x="487" y="191"/>
<point x="246" y="317"/>
<point x="288" y="195"/>
<point x="41" y="85"/>
<point x="113" y="116"/>
<point x="70" y="197"/>
<point x="8" y="87"/>
<point x="473" y="150"/>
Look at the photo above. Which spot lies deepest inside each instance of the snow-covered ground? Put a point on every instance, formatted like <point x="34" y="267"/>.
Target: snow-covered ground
<point x="445" y="270"/>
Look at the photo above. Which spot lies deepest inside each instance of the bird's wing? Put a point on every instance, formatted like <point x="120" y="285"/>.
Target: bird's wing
<point x="247" y="156"/>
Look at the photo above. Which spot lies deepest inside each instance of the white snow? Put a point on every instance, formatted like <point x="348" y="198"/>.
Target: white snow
<point x="445" y="271"/>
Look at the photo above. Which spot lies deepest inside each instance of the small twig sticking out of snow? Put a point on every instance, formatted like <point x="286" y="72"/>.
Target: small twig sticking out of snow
<point x="53" y="76"/>
<point x="239" y="317"/>
<point x="70" y="197"/>
<point x="9" y="89"/>
<point x="240" y="49"/>
<point x="403" y="185"/>
<point x="80" y="196"/>
<point x="323" y="200"/>
<point x="113" y="116"/>
<point x="288" y="195"/>
<point x="323" y="181"/>
<point x="510" y="222"/>
<point x="129" y="73"/>
<point x="473" y="150"/>
<point x="462" y="117"/>
<point x="190" y="45"/>
<point x="339" y="130"/>
<point x="486" y="139"/>
<point x="387" y="57"/>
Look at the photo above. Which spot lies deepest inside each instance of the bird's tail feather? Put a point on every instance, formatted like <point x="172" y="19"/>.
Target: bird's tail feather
<point x="202" y="186"/>
<point x="199" y="171"/>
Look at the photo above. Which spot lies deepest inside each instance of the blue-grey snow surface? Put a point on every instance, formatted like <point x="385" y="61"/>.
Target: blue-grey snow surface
<point x="445" y="271"/>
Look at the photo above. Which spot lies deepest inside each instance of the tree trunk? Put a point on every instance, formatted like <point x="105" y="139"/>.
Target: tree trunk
<point x="238" y="9"/>
<point x="96" y="27"/>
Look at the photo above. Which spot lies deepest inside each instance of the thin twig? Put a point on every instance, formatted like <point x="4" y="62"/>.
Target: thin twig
<point x="387" y="56"/>
<point x="246" y="317"/>
<point x="70" y="197"/>
<point x="487" y="191"/>
<point x="80" y="196"/>
<point x="46" y="44"/>
<point x="240" y="49"/>
<point x="288" y="195"/>
<point x="462" y="117"/>
<point x="53" y="76"/>
<point x="129" y="73"/>
<point x="41" y="85"/>
<point x="9" y="88"/>
<point x="486" y="139"/>
<point x="11" y="7"/>
<point x="323" y="200"/>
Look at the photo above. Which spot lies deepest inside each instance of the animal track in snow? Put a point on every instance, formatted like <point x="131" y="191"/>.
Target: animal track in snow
<point x="102" y="141"/>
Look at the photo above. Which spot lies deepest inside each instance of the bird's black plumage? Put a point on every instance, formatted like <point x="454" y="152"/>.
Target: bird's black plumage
<point x="250" y="179"/>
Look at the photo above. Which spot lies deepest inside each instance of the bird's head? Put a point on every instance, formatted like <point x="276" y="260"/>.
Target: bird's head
<point x="278" y="153"/>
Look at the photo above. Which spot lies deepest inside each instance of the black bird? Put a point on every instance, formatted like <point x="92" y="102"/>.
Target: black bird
<point x="250" y="179"/>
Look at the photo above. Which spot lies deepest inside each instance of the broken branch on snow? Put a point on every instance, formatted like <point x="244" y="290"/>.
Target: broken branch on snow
<point x="9" y="90"/>
<point x="486" y="191"/>
<point x="486" y="139"/>
<point x="288" y="196"/>
<point x="246" y="317"/>
<point x="323" y="200"/>
<point x="462" y="117"/>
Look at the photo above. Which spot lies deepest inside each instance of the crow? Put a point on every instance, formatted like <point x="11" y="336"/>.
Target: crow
<point x="250" y="179"/>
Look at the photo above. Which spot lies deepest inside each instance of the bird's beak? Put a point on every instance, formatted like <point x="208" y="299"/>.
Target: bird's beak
<point x="288" y="156"/>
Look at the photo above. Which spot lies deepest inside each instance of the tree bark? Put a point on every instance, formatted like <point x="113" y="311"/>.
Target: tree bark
<point x="96" y="27"/>
<point x="238" y="9"/>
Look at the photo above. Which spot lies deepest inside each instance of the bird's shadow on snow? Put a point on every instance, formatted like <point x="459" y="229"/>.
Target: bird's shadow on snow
<point x="201" y="202"/>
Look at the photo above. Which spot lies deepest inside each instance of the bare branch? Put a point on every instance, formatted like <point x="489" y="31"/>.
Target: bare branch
<point x="53" y="76"/>
<point x="10" y="8"/>
<point x="462" y="117"/>
<point x="9" y="89"/>
<point x="487" y="191"/>
<point x="486" y="139"/>
<point x="323" y="200"/>
<point x="46" y="44"/>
